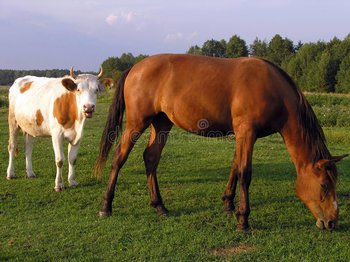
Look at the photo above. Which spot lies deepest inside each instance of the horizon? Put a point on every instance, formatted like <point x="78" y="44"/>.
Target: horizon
<point x="58" y="35"/>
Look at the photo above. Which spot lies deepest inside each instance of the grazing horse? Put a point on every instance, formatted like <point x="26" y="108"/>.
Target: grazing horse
<point x="56" y="107"/>
<point x="249" y="97"/>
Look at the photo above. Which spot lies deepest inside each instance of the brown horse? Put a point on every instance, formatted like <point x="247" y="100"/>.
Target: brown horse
<point x="249" y="97"/>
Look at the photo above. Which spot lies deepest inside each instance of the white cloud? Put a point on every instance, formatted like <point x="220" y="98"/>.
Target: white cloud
<point x="175" y="37"/>
<point x="126" y="17"/>
<point x="111" y="19"/>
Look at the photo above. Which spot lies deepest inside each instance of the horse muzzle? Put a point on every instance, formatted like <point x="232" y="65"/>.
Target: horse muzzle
<point x="329" y="225"/>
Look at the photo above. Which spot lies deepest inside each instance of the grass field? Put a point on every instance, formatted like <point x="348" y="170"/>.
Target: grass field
<point x="38" y="224"/>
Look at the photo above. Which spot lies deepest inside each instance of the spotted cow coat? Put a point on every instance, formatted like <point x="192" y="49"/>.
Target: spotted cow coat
<point x="56" y="107"/>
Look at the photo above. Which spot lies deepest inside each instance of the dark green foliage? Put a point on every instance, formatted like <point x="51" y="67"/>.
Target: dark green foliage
<point x="7" y="77"/>
<point x="214" y="48"/>
<point x="114" y="66"/>
<point x="236" y="47"/>
<point x="343" y="76"/>
<point x="194" y="50"/>
<point x="259" y="48"/>
<point x="279" y="49"/>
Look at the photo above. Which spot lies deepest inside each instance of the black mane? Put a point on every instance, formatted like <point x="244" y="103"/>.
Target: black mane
<point x="308" y="123"/>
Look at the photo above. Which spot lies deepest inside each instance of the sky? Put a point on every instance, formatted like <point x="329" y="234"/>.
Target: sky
<point x="44" y="34"/>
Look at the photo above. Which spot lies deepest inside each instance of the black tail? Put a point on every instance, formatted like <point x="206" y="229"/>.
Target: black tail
<point x="113" y="125"/>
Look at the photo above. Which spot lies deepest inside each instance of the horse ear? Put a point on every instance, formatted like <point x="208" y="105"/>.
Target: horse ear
<point x="336" y="159"/>
<point x="323" y="163"/>
<point x="69" y="84"/>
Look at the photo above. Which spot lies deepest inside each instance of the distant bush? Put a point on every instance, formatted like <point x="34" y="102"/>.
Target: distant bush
<point x="4" y="97"/>
<point x="331" y="110"/>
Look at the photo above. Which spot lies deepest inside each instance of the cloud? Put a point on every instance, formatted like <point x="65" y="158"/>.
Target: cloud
<point x="174" y="37"/>
<point x="111" y="19"/>
<point x="125" y="17"/>
<point x="179" y="36"/>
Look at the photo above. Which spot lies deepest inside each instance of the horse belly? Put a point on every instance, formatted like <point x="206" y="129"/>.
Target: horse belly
<point x="201" y="122"/>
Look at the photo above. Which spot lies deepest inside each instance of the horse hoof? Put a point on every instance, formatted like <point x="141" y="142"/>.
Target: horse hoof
<point x="58" y="189"/>
<point x="162" y="212"/>
<point x="230" y="211"/>
<point x="105" y="213"/>
<point x="10" y="178"/>
<point x="243" y="228"/>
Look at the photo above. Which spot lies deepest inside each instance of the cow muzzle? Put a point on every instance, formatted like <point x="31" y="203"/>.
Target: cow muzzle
<point x="88" y="110"/>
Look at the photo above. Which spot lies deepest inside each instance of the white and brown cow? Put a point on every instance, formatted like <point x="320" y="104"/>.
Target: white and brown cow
<point x="56" y="107"/>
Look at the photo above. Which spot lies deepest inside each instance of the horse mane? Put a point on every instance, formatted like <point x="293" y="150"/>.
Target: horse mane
<point x="308" y="123"/>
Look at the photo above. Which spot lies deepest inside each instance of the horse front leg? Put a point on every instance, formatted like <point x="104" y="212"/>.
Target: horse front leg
<point x="242" y="171"/>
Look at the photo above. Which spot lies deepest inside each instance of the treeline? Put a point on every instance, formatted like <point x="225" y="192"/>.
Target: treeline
<point x="7" y="77"/>
<point x="316" y="67"/>
<point x="114" y="66"/>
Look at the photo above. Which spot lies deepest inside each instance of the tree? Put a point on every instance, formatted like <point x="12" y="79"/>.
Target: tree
<point x="258" y="48"/>
<point x="343" y="76"/>
<point x="213" y="48"/>
<point x="319" y="74"/>
<point x="236" y="47"/>
<point x="280" y="49"/>
<point x="300" y="63"/>
<point x="194" y="50"/>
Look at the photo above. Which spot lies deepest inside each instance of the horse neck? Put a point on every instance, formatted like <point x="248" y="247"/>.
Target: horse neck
<point x="299" y="150"/>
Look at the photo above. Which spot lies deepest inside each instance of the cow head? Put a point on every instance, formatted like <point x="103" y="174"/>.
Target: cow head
<point x="85" y="87"/>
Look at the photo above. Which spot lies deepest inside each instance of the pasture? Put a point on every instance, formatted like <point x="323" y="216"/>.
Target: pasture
<point x="39" y="224"/>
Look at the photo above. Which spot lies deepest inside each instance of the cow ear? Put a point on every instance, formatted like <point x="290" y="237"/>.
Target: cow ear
<point x="69" y="84"/>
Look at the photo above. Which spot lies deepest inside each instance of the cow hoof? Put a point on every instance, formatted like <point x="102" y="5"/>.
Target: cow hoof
<point x="31" y="175"/>
<point x="73" y="183"/>
<point x="58" y="189"/>
<point x="105" y="213"/>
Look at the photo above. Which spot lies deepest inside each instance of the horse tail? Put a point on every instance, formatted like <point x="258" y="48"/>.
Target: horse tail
<point x="113" y="125"/>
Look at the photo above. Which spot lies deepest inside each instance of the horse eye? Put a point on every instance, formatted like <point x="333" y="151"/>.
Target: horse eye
<point x="324" y="187"/>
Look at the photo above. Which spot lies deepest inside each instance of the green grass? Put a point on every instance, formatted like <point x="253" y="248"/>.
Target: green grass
<point x="38" y="224"/>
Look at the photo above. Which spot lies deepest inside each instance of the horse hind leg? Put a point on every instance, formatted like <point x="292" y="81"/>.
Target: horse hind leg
<point x="160" y="129"/>
<point x="125" y="145"/>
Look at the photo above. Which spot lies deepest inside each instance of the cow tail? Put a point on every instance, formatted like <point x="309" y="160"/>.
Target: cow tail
<point x="113" y="125"/>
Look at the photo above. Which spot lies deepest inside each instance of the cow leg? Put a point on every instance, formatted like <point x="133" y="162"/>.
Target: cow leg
<point x="57" y="142"/>
<point x="160" y="129"/>
<point x="72" y="157"/>
<point x="12" y="146"/>
<point x="29" y="150"/>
